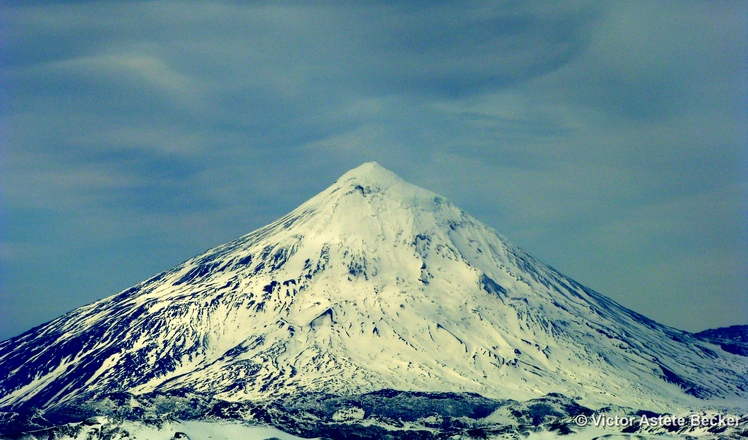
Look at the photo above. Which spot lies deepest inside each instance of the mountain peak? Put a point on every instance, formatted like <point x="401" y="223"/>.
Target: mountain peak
<point x="372" y="178"/>
<point x="371" y="173"/>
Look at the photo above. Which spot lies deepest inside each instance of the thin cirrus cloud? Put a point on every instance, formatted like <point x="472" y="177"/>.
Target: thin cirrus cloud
<point x="604" y="137"/>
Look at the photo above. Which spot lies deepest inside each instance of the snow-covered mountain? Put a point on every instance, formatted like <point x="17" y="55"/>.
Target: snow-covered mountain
<point x="372" y="284"/>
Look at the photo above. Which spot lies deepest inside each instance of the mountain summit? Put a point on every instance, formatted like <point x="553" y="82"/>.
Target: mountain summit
<point x="372" y="284"/>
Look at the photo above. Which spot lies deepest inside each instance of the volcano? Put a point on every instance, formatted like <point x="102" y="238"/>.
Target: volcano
<point x="373" y="284"/>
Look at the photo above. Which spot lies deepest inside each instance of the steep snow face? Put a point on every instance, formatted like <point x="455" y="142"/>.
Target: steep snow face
<point x="373" y="283"/>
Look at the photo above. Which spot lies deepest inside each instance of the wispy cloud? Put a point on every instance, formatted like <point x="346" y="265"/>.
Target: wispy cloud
<point x="606" y="137"/>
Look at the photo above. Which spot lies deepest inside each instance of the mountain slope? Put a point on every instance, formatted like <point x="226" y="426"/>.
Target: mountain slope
<point x="733" y="339"/>
<point x="373" y="283"/>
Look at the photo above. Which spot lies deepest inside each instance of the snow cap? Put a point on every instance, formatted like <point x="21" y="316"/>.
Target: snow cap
<point x="371" y="173"/>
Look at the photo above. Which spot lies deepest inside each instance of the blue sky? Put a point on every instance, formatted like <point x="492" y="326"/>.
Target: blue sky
<point x="607" y="139"/>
